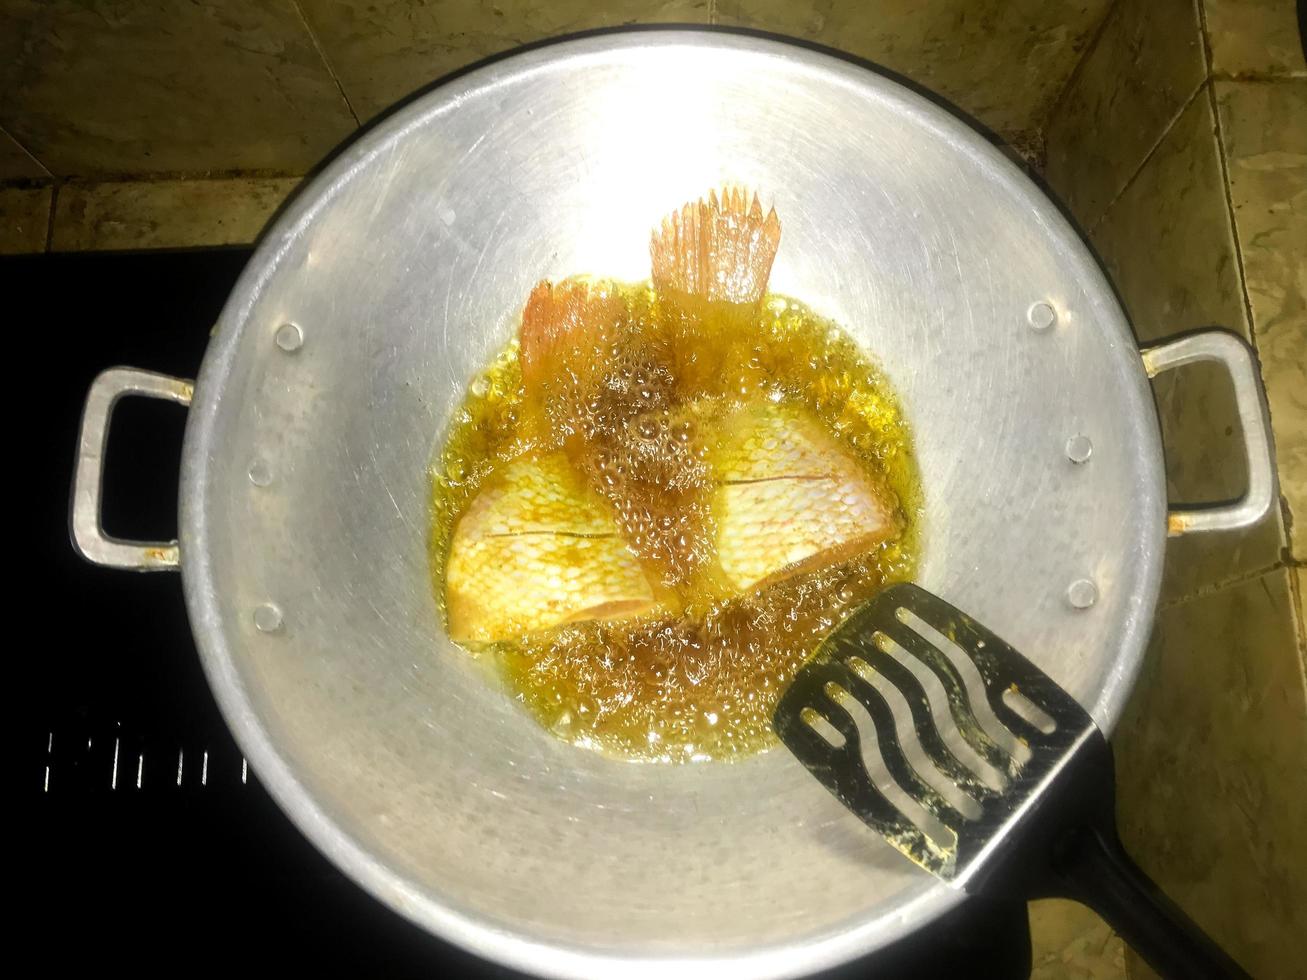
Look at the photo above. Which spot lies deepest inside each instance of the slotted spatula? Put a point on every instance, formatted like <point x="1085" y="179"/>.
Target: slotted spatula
<point x="1049" y="832"/>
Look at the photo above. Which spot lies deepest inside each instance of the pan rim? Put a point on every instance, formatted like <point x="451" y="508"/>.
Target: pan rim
<point x="437" y="913"/>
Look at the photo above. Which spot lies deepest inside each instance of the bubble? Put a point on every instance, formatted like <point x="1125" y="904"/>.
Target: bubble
<point x="646" y="688"/>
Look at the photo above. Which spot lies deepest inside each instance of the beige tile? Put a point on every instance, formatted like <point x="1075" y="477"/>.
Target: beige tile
<point x="1070" y="942"/>
<point x="1264" y="130"/>
<point x="1299" y="578"/>
<point x="1210" y="770"/>
<point x="130" y="88"/>
<point x="1284" y="373"/>
<point x="24" y="219"/>
<point x="1003" y="61"/>
<point x="15" y="162"/>
<point x="1254" y="37"/>
<point x="1137" y="969"/>
<point x="386" y="49"/>
<point x="165" y="213"/>
<point x="1168" y="244"/>
<point x="1145" y="66"/>
<point x="1167" y="241"/>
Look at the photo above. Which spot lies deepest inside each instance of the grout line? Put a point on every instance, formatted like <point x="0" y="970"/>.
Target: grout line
<point x="1228" y="197"/>
<point x="49" y="225"/>
<point x="317" y="46"/>
<point x="1258" y="77"/>
<point x="1204" y="34"/>
<point x="712" y="12"/>
<point x="26" y="152"/>
<point x="1296" y="584"/>
<point x="1079" y="68"/>
<point x="1292" y="74"/>
<point x="1184" y="106"/>
<point x="158" y="177"/>
<point x="1152" y="151"/>
<point x="1227" y="192"/>
<point x="1234" y="225"/>
<point x="1286" y="514"/>
<point x="1209" y="589"/>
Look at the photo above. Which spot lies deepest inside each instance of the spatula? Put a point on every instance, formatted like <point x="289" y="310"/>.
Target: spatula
<point x="1040" y="823"/>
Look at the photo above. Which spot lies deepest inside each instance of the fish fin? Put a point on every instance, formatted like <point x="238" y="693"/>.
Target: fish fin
<point x="720" y="249"/>
<point x="563" y="316"/>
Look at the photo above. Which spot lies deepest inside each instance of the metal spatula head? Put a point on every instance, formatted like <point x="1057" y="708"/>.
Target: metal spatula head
<point x="873" y="648"/>
<point x="1040" y="822"/>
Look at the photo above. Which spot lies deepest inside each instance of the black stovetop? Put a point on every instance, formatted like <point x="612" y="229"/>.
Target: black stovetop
<point x="144" y="840"/>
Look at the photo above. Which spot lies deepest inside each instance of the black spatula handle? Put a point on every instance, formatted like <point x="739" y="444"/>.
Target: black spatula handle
<point x="1100" y="874"/>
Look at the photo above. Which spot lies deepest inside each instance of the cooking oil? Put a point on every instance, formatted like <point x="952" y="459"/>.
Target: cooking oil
<point x="697" y="678"/>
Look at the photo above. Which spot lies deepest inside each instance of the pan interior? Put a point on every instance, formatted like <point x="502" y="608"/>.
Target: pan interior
<point x="405" y="266"/>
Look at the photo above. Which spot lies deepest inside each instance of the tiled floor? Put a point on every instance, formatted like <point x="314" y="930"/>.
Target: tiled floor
<point x="150" y="88"/>
<point x="1210" y="771"/>
<point x="164" y="213"/>
<point x="1144" y="68"/>
<point x="16" y="163"/>
<point x="1264" y="134"/>
<point x="1254" y="38"/>
<point x="24" y="219"/>
<point x="137" y="88"/>
<point x="1210" y="229"/>
<point x="1169" y="246"/>
<point x="1070" y="942"/>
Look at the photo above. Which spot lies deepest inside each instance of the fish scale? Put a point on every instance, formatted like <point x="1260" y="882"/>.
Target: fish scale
<point x="789" y="496"/>
<point x="536" y="550"/>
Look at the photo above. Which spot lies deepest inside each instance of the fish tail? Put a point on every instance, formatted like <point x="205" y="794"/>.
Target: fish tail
<point x="562" y="316"/>
<point x="718" y="249"/>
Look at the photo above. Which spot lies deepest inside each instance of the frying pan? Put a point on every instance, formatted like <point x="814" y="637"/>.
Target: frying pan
<point x="388" y="284"/>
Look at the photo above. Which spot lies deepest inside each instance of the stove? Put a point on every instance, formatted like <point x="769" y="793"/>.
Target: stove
<point x="145" y="838"/>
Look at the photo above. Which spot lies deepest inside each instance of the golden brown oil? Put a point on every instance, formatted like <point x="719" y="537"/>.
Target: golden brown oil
<point x="700" y="683"/>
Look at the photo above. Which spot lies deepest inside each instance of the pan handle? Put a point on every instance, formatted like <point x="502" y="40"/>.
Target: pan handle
<point x="88" y="534"/>
<point x="1230" y="351"/>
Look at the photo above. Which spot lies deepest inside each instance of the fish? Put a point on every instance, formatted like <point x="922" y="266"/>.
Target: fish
<point x="604" y="380"/>
<point x="537" y="549"/>
<point x="790" y="498"/>
<point x="645" y="488"/>
<point x="652" y="470"/>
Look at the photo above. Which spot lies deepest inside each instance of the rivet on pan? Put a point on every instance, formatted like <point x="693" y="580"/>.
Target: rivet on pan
<point x="289" y="337"/>
<point x="1082" y="593"/>
<point x="267" y="618"/>
<point x="1079" y="449"/>
<point x="260" y="475"/>
<point x="1041" y="315"/>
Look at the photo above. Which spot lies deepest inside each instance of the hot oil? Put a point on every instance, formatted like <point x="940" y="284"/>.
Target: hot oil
<point x="699" y="677"/>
